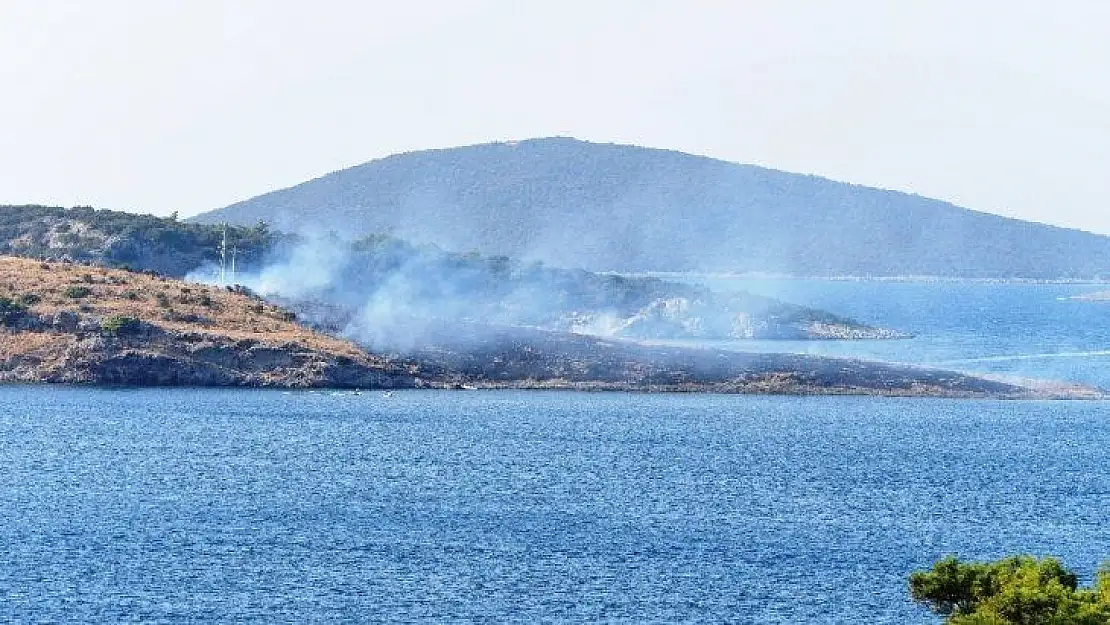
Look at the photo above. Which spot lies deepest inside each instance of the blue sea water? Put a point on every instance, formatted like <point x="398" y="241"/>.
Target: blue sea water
<point x="1016" y="330"/>
<point x="188" y="505"/>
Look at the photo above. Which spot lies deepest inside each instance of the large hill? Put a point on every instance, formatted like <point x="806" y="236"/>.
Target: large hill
<point x="615" y="207"/>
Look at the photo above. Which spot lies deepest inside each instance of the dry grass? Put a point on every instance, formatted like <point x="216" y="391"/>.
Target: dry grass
<point x="171" y="304"/>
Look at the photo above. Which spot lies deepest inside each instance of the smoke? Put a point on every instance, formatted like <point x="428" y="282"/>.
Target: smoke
<point x="310" y="267"/>
<point x="390" y="295"/>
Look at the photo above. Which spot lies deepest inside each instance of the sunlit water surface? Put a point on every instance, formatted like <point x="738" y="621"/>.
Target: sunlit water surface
<point x="262" y="506"/>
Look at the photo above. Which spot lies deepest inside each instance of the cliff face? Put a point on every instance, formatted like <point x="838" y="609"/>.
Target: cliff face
<point x="64" y="322"/>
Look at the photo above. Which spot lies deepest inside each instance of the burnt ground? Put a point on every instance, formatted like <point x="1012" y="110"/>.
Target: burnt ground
<point x="500" y="357"/>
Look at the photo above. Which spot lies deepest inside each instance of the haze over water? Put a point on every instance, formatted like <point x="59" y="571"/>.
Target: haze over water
<point x="1017" y="330"/>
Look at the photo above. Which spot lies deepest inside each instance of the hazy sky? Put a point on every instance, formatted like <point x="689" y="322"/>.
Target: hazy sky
<point x="160" y="105"/>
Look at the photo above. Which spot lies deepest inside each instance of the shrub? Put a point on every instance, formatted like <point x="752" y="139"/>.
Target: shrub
<point x="11" y="310"/>
<point x="11" y="304"/>
<point x="163" y="299"/>
<point x="242" y="290"/>
<point x="28" y="299"/>
<point x="77" y="292"/>
<point x="120" y="325"/>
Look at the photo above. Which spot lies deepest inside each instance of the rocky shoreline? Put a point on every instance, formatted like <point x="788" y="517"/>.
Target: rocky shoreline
<point x="522" y="358"/>
<point x="154" y="357"/>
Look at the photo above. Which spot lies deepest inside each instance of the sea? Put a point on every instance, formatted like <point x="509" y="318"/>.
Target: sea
<point x="263" y="506"/>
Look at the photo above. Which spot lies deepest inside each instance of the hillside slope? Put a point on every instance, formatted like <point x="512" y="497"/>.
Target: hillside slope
<point x="65" y="322"/>
<point x="613" y="207"/>
<point x="119" y="239"/>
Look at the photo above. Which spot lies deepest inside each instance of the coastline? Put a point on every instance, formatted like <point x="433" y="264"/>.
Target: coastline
<point x="68" y="323"/>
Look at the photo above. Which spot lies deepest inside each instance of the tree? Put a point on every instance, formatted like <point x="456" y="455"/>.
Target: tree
<point x="1019" y="590"/>
<point x="120" y="325"/>
<point x="11" y="310"/>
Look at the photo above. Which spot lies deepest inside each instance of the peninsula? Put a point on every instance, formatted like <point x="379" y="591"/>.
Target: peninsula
<point x="65" y="322"/>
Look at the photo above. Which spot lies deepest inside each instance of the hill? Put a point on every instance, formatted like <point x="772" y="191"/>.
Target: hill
<point x="66" y="322"/>
<point x="614" y="207"/>
<point x="127" y="240"/>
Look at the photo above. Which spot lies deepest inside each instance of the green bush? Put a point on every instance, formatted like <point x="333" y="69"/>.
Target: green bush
<point x="77" y="292"/>
<point x="1017" y="590"/>
<point x="29" y="299"/>
<point x="11" y="310"/>
<point x="120" y="325"/>
<point x="11" y="304"/>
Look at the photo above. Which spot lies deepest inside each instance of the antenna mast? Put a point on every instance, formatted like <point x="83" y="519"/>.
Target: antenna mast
<point x="223" y="257"/>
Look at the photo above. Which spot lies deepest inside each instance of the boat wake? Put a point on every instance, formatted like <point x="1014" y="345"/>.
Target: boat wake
<point x="1019" y="357"/>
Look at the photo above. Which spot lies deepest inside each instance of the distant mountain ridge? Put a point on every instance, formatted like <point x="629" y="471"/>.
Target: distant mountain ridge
<point x="625" y="208"/>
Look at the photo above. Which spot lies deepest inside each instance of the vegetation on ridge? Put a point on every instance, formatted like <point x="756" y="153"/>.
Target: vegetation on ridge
<point x="126" y="240"/>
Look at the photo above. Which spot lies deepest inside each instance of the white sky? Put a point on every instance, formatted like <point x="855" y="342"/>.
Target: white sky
<point x="162" y="105"/>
